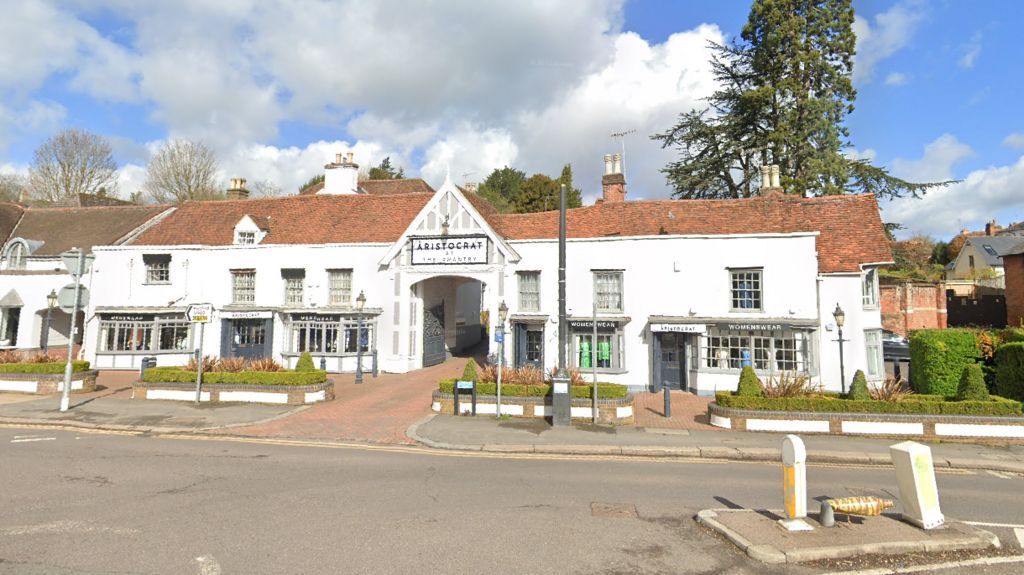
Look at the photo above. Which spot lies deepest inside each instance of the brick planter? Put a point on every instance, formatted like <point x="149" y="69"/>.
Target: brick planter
<point x="867" y="424"/>
<point x="47" y="383"/>
<point x="618" y="411"/>
<point x="236" y="393"/>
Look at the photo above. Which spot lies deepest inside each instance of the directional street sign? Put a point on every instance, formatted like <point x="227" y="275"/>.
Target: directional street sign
<point x="199" y="313"/>
<point x="71" y="262"/>
<point x="66" y="298"/>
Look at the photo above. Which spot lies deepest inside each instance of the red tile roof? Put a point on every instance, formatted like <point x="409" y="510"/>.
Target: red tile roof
<point x="851" y="231"/>
<point x="306" y="219"/>
<point x="382" y="187"/>
<point x="60" y="229"/>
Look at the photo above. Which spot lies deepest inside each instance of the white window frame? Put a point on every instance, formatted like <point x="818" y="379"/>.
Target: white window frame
<point x="873" y="351"/>
<point x="16" y="254"/>
<point x="237" y="289"/>
<point x="529" y="291"/>
<point x="869" y="288"/>
<point x="339" y="286"/>
<point x="617" y="339"/>
<point x="769" y="352"/>
<point x="754" y="294"/>
<point x="245" y="237"/>
<point x="155" y="335"/>
<point x="606" y="278"/>
<point x="330" y="336"/>
<point x="294" y="286"/>
<point x="158" y="269"/>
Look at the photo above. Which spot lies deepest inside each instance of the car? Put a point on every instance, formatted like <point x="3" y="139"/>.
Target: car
<point x="893" y="337"/>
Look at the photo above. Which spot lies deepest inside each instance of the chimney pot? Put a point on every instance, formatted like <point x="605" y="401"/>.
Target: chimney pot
<point x="776" y="181"/>
<point x="349" y="157"/>
<point x="338" y="158"/>
<point x="766" y="177"/>
<point x="237" y="190"/>
<point x="607" y="164"/>
<point x="616" y="163"/>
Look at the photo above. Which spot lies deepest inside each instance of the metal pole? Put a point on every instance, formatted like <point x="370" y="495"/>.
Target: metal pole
<point x="842" y="367"/>
<point x="199" y="362"/>
<point x="561" y="399"/>
<point x="593" y="354"/>
<point x="65" y="398"/>
<point x="359" y="351"/>
<point x="45" y="343"/>
<point x="501" y="359"/>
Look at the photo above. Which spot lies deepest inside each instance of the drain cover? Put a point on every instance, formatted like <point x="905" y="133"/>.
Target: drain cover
<point x="620" y="510"/>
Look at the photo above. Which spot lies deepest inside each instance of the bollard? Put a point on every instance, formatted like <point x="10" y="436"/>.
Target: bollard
<point x="915" y="474"/>
<point x="794" y="484"/>
<point x="668" y="403"/>
<point x="826" y="517"/>
<point x="323" y="364"/>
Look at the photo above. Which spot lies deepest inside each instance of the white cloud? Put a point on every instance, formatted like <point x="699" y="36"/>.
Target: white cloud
<point x="1014" y="140"/>
<point x="971" y="51"/>
<point x="891" y="31"/>
<point x="868" y="154"/>
<point x="895" y="79"/>
<point x="937" y="162"/>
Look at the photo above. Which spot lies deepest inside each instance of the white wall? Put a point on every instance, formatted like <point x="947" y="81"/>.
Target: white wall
<point x="845" y="290"/>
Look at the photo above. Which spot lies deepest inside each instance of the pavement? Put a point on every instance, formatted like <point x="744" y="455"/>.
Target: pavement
<point x="395" y="409"/>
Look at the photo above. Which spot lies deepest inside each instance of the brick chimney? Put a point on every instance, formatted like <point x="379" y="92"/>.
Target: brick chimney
<point x="613" y="183"/>
<point x="771" y="185"/>
<point x="237" y="190"/>
<point x="992" y="228"/>
<point x="341" y="176"/>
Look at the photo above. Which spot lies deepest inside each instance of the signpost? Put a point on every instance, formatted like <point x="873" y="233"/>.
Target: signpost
<point x="201" y="313"/>
<point x="78" y="264"/>
<point x="794" y="484"/>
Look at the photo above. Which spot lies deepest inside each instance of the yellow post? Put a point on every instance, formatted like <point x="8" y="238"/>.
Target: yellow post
<point x="794" y="483"/>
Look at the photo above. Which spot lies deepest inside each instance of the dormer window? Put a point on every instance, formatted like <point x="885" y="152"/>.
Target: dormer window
<point x="15" y="257"/>
<point x="245" y="238"/>
<point x="250" y="230"/>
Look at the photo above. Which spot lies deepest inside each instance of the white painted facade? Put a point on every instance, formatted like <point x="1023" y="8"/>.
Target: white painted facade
<point x="23" y="304"/>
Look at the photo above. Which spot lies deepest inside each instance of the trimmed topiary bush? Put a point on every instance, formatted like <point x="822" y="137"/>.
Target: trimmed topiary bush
<point x="179" y="375"/>
<point x="995" y="406"/>
<point x="305" y="362"/>
<point x="1010" y="370"/>
<point x="859" y="387"/>
<point x="750" y="385"/>
<point x="469" y="372"/>
<point x="972" y="385"/>
<point x="47" y="368"/>
<point x="604" y="390"/>
<point x="939" y="357"/>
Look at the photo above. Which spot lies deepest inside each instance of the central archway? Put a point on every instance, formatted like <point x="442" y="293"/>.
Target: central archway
<point x="451" y="317"/>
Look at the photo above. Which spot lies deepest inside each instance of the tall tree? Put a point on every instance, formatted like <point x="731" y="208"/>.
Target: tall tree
<point x="573" y="195"/>
<point x="385" y="171"/>
<point x="539" y="193"/>
<point x="182" y="170"/>
<point x="785" y="93"/>
<point x="72" y="162"/>
<point x="501" y="187"/>
<point x="12" y="186"/>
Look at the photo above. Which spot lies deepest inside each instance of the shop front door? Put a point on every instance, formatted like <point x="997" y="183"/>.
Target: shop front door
<point x="433" y="336"/>
<point x="529" y="341"/>
<point x="671" y="360"/>
<point x="247" y="338"/>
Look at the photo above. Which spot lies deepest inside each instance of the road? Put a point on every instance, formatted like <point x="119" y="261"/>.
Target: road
<point x="96" y="503"/>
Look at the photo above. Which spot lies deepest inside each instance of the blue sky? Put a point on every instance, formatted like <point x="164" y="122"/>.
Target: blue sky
<point x="276" y="88"/>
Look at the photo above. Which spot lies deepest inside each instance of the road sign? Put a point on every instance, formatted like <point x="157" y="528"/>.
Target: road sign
<point x="499" y="337"/>
<point x="71" y="262"/>
<point x="66" y="298"/>
<point x="199" y="313"/>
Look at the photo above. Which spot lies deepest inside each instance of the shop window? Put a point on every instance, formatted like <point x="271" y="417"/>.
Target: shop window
<point x="158" y="268"/>
<point x="529" y="291"/>
<point x="767" y="352"/>
<point x="869" y="288"/>
<point x="329" y="335"/>
<point x="873" y="346"/>
<point x="339" y="287"/>
<point x="607" y="350"/>
<point x="243" y="286"/>
<point x="10" y="317"/>
<point x="294" y="279"/>
<point x="145" y="334"/>
<point x="608" y="289"/>
<point x="745" y="289"/>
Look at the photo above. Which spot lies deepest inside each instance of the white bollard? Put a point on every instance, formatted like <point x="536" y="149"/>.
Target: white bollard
<point x="794" y="484"/>
<point x="915" y="474"/>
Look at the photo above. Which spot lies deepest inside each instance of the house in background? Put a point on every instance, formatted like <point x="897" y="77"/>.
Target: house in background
<point x="1013" y="264"/>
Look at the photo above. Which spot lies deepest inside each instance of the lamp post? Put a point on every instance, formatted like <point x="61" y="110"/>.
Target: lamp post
<point x="360" y="302"/>
<point x="840" y="317"/>
<point x="502" y="314"/>
<point x="51" y="302"/>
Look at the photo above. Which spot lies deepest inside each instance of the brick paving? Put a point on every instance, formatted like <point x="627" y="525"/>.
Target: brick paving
<point x="379" y="411"/>
<point x="688" y="411"/>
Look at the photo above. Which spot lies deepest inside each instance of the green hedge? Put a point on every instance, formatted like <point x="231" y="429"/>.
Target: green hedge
<point x="995" y="406"/>
<point x="178" y="375"/>
<point x="1010" y="370"/>
<point x="604" y="390"/>
<point x="939" y="357"/>
<point x="48" y="368"/>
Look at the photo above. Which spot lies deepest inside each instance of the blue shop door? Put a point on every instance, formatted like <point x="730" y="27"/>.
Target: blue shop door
<point x="671" y="360"/>
<point x="529" y="341"/>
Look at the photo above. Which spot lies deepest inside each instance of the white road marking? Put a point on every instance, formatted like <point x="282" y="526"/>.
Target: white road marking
<point x="208" y="565"/>
<point x="28" y="439"/>
<point x="998" y="474"/>
<point x="936" y="566"/>
<point x="1019" y="532"/>
<point x="64" y="526"/>
<point x="984" y="524"/>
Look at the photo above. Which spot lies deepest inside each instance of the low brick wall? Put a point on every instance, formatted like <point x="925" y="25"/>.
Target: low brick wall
<point x="619" y="411"/>
<point x="236" y="393"/>
<point x="867" y="424"/>
<point x="47" y="383"/>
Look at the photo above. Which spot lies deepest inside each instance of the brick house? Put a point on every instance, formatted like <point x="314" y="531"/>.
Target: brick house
<point x="908" y="305"/>
<point x="1013" y="264"/>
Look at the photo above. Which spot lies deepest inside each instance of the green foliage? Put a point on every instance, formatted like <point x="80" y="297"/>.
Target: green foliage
<point x="537" y="194"/>
<point x="501" y="187"/>
<point x="47" y="368"/>
<point x="385" y="171"/>
<point x="1010" y="370"/>
<point x="859" y="387"/>
<point x="305" y="362"/>
<point x="573" y="195"/>
<point x="317" y="179"/>
<point x="178" y="375"/>
<point x="604" y="390"/>
<point x="784" y="92"/>
<point x="995" y="406"/>
<point x="749" y="384"/>
<point x="972" y="384"/>
<point x="469" y="372"/>
<point x="939" y="357"/>
<point x="509" y="190"/>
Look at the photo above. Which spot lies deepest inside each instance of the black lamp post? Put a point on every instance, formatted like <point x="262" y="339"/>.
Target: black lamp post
<point x="51" y="302"/>
<point x="840" y="320"/>
<point x="360" y="302"/>
<point x="502" y="314"/>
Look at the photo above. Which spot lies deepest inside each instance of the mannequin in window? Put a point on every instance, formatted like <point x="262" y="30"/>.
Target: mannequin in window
<point x="604" y="353"/>
<point x="584" y="352"/>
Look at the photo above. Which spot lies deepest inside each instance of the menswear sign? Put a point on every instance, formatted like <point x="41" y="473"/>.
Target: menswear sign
<point x="447" y="250"/>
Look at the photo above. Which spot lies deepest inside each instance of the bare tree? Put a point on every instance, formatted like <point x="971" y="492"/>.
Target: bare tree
<point x="264" y="189"/>
<point x="73" y="162"/>
<point x="12" y="186"/>
<point x="182" y="170"/>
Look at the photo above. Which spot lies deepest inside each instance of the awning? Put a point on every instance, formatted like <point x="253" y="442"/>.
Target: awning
<point x="106" y="309"/>
<point x="12" y="299"/>
<point x="735" y="323"/>
<point x="533" y="319"/>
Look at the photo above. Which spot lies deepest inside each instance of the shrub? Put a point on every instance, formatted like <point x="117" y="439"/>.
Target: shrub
<point x="1010" y="370"/>
<point x="891" y="390"/>
<point x="859" y="387"/>
<point x="972" y="385"/>
<point x="749" y="384"/>
<point x="305" y="362"/>
<point x="995" y="406"/>
<point x="469" y="372"/>
<point x="209" y="363"/>
<point x="265" y="364"/>
<point x="790" y="385"/>
<point x="178" y="375"/>
<point x="575" y="375"/>
<point x="939" y="356"/>
<point x="230" y="364"/>
<point x="9" y="356"/>
<point x="43" y="357"/>
<point x="604" y="390"/>
<point x="47" y="368"/>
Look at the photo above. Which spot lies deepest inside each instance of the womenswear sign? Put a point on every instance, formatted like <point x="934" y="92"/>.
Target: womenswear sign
<point x="448" y="250"/>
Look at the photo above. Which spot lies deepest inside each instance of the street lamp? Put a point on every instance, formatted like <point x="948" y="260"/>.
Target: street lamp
<point x="502" y="314"/>
<point x="51" y="302"/>
<point x="840" y="317"/>
<point x="360" y="302"/>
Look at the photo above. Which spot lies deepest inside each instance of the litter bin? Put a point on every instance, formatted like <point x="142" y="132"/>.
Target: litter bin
<point x="147" y="362"/>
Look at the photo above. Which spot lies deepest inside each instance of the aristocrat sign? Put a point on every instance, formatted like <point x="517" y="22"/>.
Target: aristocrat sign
<point x="449" y="250"/>
<point x="678" y="327"/>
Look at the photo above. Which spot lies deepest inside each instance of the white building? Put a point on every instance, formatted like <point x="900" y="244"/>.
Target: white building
<point x="686" y="291"/>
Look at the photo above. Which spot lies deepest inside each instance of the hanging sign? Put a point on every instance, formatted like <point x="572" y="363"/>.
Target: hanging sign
<point x="679" y="327"/>
<point x="246" y="314"/>
<point x="449" y="250"/>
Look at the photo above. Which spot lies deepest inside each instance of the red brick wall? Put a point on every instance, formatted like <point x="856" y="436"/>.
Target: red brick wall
<point x="1014" y="267"/>
<point x="908" y="306"/>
